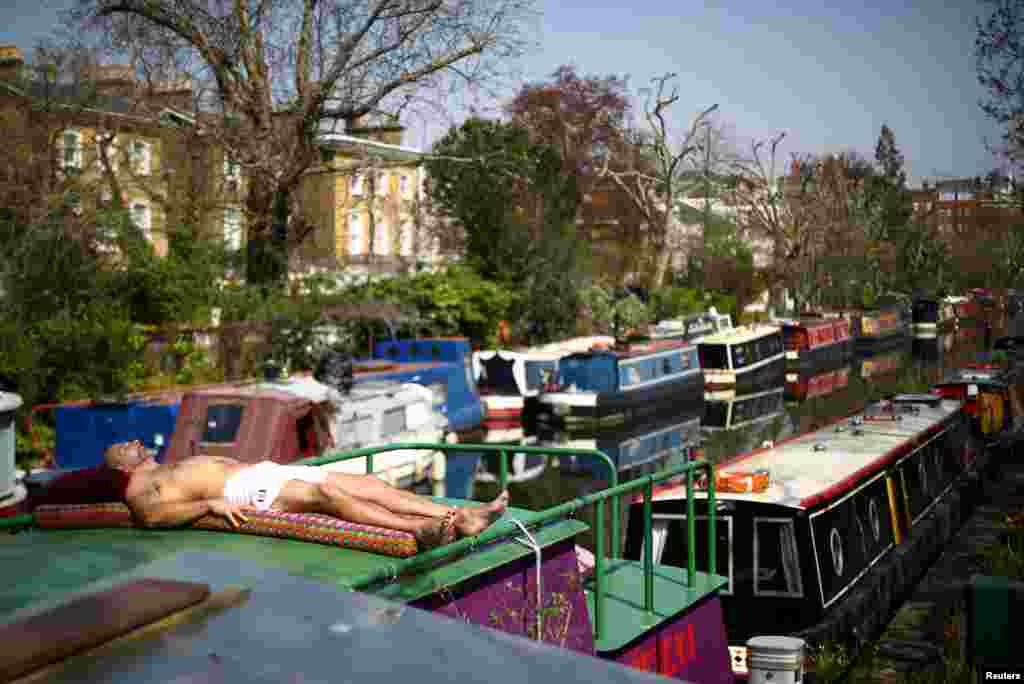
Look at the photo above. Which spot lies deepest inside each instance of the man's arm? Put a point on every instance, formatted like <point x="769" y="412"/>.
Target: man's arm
<point x="169" y="514"/>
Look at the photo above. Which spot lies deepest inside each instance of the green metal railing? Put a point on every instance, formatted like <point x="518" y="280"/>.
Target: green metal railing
<point x="535" y="518"/>
<point x="503" y="451"/>
<point x="532" y="519"/>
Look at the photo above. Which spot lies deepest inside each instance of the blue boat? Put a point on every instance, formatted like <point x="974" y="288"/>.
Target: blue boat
<point x="625" y="382"/>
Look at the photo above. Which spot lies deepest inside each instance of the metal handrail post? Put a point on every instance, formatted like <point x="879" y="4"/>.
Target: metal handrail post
<point x="599" y="588"/>
<point x="691" y="533"/>
<point x="712" y="514"/>
<point x="648" y="546"/>
<point x="503" y="469"/>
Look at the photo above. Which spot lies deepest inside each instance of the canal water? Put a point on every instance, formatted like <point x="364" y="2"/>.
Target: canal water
<point x="808" y="400"/>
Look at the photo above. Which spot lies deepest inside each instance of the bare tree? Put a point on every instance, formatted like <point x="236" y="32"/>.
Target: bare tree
<point x="277" y="71"/>
<point x="648" y="168"/>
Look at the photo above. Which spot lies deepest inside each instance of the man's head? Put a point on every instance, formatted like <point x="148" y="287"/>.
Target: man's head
<point x="127" y="456"/>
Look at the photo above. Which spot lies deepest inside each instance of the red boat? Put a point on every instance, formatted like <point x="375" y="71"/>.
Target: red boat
<point x="817" y="340"/>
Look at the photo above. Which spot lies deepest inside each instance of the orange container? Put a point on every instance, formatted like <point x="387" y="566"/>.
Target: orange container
<point x="742" y="482"/>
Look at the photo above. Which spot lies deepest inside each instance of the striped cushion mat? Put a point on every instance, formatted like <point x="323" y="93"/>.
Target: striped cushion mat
<point x="312" y="527"/>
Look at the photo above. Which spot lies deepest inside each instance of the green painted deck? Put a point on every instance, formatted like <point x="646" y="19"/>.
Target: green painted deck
<point x="625" y="617"/>
<point x="42" y="564"/>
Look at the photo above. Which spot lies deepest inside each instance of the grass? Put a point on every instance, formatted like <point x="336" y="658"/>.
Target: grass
<point x="836" y="662"/>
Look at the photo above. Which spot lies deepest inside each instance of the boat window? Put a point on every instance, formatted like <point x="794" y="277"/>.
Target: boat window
<point x="393" y="422"/>
<point x="716" y="414"/>
<point x="714" y="356"/>
<point x="667" y="365"/>
<point x="741" y="355"/>
<point x="392" y="353"/>
<point x="539" y="373"/>
<point x="222" y="423"/>
<point x="673" y="550"/>
<point x="467" y="366"/>
<point x="776" y="563"/>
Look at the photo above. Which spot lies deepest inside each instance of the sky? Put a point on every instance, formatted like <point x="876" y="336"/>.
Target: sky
<point x="827" y="74"/>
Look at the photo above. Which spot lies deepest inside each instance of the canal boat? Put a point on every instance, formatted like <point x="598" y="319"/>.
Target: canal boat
<point x="743" y="411"/>
<point x="643" y="446"/>
<point x="933" y="315"/>
<point x="991" y="388"/>
<point x="877" y="367"/>
<point x="875" y="329"/>
<point x="815" y="341"/>
<point x="800" y="523"/>
<point x="505" y="377"/>
<point x="442" y="364"/>
<point x="612" y="385"/>
<point x="743" y="360"/>
<point x="693" y="327"/>
<point x="299" y="572"/>
<point x="298" y="417"/>
<point x="966" y="309"/>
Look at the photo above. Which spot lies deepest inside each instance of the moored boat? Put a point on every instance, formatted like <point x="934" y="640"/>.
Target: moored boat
<point x="932" y="315"/>
<point x="877" y="328"/>
<point x="298" y="417"/>
<point x="743" y="360"/>
<point x="812" y="383"/>
<point x="800" y="523"/>
<point x="522" y="576"/>
<point x="629" y="380"/>
<point x="442" y="364"/>
<point x="504" y="378"/>
<point x="693" y="327"/>
<point x="813" y="341"/>
<point x="990" y="388"/>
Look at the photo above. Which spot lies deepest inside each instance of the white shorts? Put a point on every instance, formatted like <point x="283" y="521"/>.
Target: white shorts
<point x="259" y="485"/>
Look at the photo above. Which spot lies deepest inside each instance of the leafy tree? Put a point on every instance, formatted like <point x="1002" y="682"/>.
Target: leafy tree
<point x="501" y="191"/>
<point x="271" y="75"/>
<point x="998" y="46"/>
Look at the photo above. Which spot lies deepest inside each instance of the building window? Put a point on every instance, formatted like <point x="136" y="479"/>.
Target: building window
<point x="382" y="185"/>
<point x="356" y="184"/>
<point x="142" y="219"/>
<point x="71" y="150"/>
<point x="355" y="233"/>
<point x="140" y="157"/>
<point x="381" y="238"/>
<point x="232" y="171"/>
<point x="110" y="149"/>
<point x="233" y="228"/>
<point x="404" y="186"/>
<point x="405" y="239"/>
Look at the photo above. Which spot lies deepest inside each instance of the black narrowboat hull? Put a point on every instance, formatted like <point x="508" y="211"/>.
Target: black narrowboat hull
<point x="838" y="545"/>
<point x="587" y="409"/>
<point x="770" y="375"/>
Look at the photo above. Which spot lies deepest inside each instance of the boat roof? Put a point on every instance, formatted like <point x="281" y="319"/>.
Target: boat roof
<point x="43" y="566"/>
<point x="519" y="354"/>
<point x="743" y="333"/>
<point x="268" y="624"/>
<point x="651" y="346"/>
<point x="811" y="468"/>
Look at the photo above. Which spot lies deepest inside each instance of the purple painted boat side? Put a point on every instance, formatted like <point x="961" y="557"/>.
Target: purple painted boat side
<point x="506" y="599"/>
<point x="692" y="647"/>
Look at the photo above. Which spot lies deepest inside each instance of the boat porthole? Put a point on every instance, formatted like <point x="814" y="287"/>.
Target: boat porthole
<point x="835" y="543"/>
<point x="874" y="520"/>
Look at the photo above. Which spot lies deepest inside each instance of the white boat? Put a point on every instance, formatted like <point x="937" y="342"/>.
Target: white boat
<point x="694" y="327"/>
<point x="377" y="413"/>
<point x="743" y="360"/>
<point x="505" y="376"/>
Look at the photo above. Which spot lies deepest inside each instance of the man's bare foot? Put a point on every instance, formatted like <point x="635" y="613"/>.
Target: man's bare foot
<point x="436" y="532"/>
<point x="473" y="520"/>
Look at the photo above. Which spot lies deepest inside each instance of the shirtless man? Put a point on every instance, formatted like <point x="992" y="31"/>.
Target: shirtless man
<point x="167" y="495"/>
